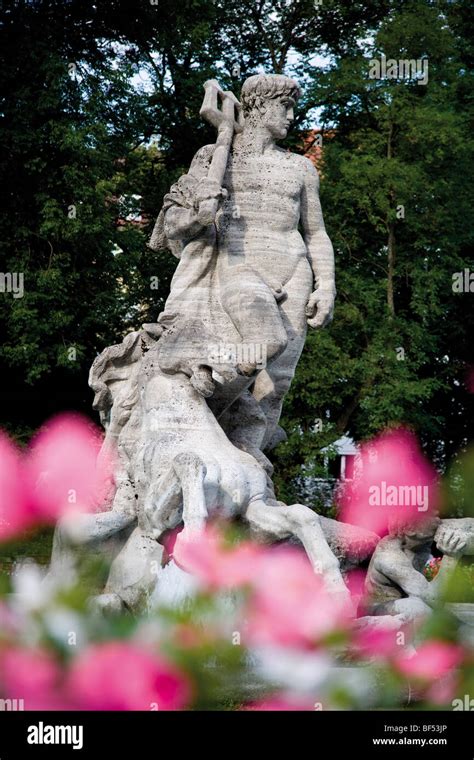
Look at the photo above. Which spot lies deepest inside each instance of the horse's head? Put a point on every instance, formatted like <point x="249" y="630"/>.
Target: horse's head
<point x="113" y="375"/>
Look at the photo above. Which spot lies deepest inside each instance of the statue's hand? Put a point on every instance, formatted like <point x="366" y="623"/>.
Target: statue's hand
<point x="320" y="308"/>
<point x="450" y="541"/>
<point x="207" y="196"/>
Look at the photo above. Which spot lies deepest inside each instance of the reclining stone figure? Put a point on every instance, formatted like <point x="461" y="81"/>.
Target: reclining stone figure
<point x="395" y="583"/>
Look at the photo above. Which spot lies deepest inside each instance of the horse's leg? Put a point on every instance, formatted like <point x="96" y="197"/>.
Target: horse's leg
<point x="276" y="523"/>
<point x="103" y="531"/>
<point x="191" y="472"/>
<point x="162" y="502"/>
<point x="81" y="529"/>
<point x="134" y="574"/>
<point x="177" y="494"/>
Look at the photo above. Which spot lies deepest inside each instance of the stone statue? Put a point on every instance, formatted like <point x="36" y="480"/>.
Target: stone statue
<point x="247" y="282"/>
<point x="192" y="403"/>
<point x="395" y="583"/>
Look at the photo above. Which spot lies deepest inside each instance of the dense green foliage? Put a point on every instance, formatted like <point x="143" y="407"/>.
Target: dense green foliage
<point x="100" y="104"/>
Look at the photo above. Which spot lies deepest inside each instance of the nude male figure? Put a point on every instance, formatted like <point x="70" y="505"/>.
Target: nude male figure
<point x="275" y="191"/>
<point x="395" y="583"/>
<point x="273" y="280"/>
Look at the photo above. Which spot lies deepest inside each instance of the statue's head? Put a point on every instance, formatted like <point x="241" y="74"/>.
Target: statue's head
<point x="268" y="100"/>
<point x="111" y="371"/>
<point x="414" y="532"/>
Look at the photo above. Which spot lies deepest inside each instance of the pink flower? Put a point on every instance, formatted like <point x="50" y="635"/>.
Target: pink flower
<point x="431" y="568"/>
<point x="15" y="506"/>
<point x="9" y="621"/>
<point x="381" y="642"/>
<point x="282" y="703"/>
<point x="121" y="676"/>
<point x="355" y="582"/>
<point x="61" y="473"/>
<point x="431" y="661"/>
<point x="205" y="555"/>
<point x="443" y="692"/>
<point x="395" y="483"/>
<point x="290" y="605"/>
<point x="32" y="675"/>
<point x="64" y="469"/>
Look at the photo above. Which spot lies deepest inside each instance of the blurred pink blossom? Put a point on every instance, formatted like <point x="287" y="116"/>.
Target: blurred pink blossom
<point x="290" y="605"/>
<point x="380" y="642"/>
<point x="393" y="482"/>
<point x="444" y="690"/>
<point x="32" y="675"/>
<point x="15" y="507"/>
<point x="121" y="676"/>
<point x="205" y="555"/>
<point x="355" y="582"/>
<point x="431" y="661"/>
<point x="61" y="473"/>
<point x="64" y="467"/>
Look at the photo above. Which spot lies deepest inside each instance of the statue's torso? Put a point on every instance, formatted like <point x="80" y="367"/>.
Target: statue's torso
<point x="258" y="223"/>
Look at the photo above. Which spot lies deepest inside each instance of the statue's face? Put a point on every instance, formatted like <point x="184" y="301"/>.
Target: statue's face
<point x="278" y="116"/>
<point x="414" y="540"/>
<point x="422" y="535"/>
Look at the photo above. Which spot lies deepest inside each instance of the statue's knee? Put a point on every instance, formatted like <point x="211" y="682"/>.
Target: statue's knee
<point x="303" y="516"/>
<point x="412" y="606"/>
<point x="281" y="378"/>
<point x="107" y="604"/>
<point x="277" y="345"/>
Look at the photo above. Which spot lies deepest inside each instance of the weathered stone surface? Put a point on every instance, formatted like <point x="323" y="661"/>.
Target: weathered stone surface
<point x="351" y="544"/>
<point x="193" y="402"/>
<point x="395" y="583"/>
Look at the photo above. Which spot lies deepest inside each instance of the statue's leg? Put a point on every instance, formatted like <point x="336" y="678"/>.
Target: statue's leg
<point x="276" y="523"/>
<point x="273" y="382"/>
<point x="244" y="423"/>
<point x="253" y="308"/>
<point x="412" y="607"/>
<point x="103" y="533"/>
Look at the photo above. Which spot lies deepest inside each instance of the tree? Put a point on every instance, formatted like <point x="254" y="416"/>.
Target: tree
<point x="69" y="122"/>
<point x="76" y="131"/>
<point x="86" y="142"/>
<point x="400" y="215"/>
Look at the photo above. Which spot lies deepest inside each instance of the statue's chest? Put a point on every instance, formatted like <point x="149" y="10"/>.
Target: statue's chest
<point x="262" y="177"/>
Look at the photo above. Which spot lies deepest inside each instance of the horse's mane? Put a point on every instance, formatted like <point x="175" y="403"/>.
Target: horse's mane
<point x="104" y="368"/>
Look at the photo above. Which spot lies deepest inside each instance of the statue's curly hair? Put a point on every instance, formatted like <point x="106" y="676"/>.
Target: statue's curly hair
<point x="260" y="87"/>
